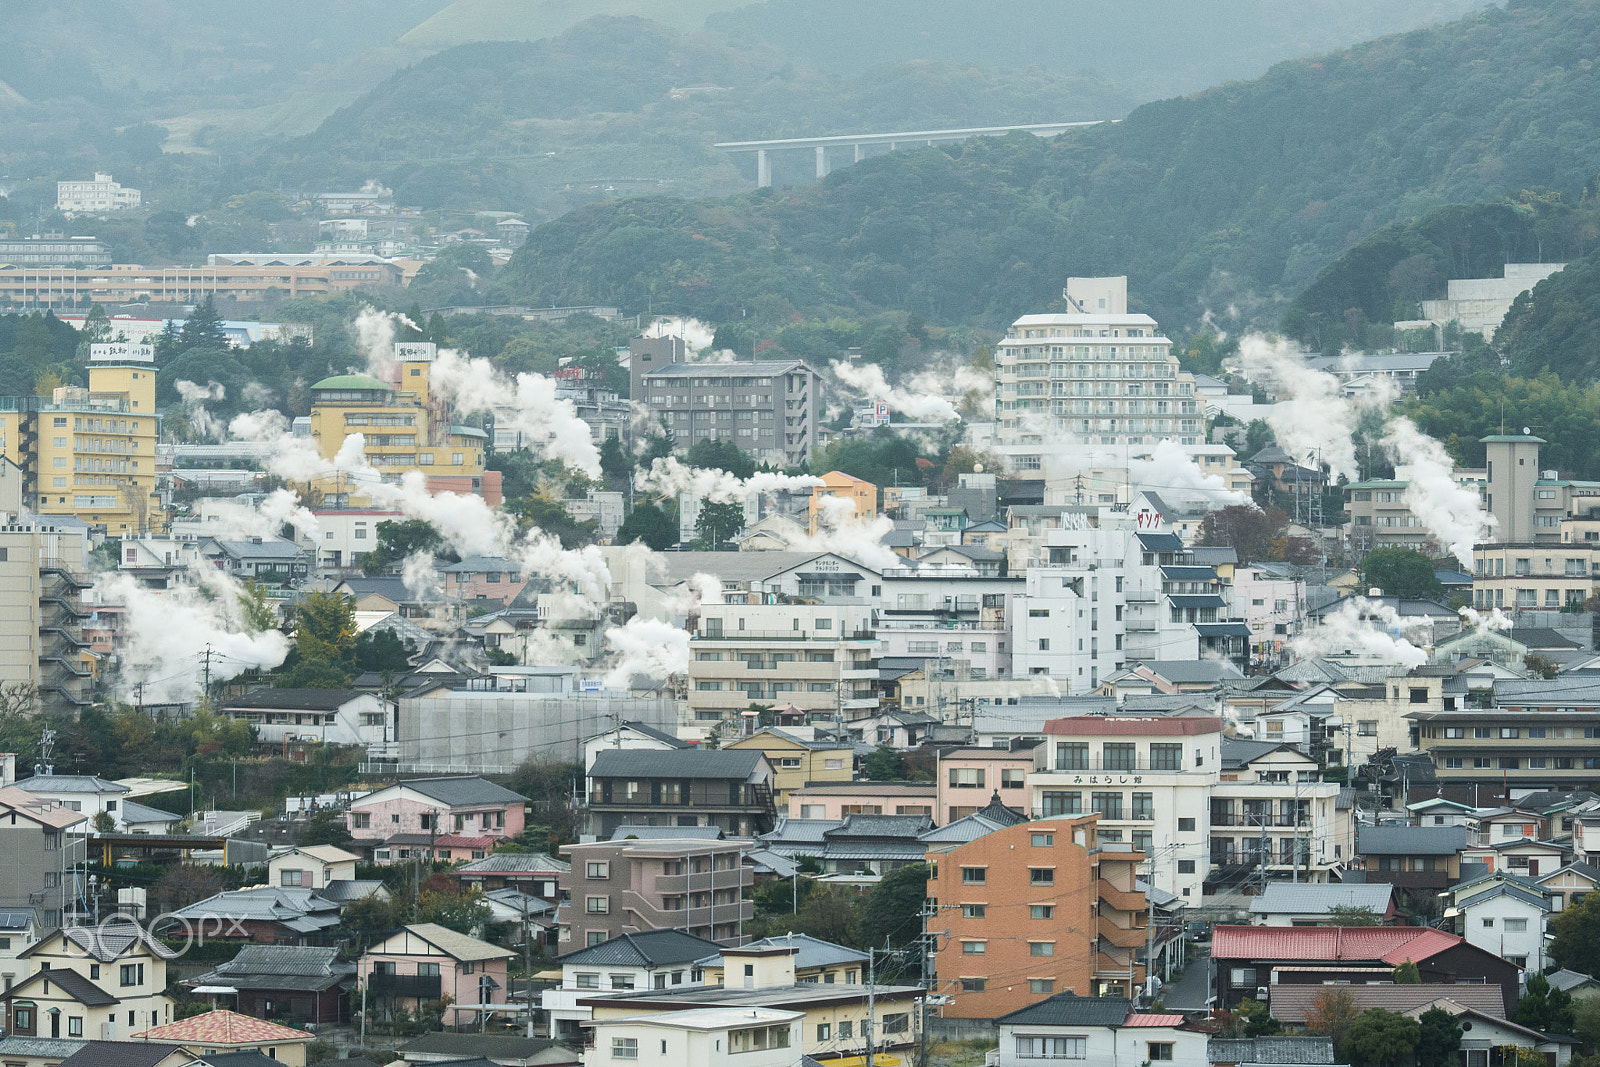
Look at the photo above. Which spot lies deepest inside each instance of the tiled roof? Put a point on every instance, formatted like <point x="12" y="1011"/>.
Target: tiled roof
<point x="462" y="790"/>
<point x="295" y="699"/>
<point x="516" y="863"/>
<point x="1411" y="840"/>
<point x="223" y="1027"/>
<point x="810" y="952"/>
<point x="1278" y="1049"/>
<point x="1392" y="944"/>
<point x="106" y="943"/>
<point x="100" y="1053"/>
<point x="343" y="890"/>
<point x="647" y="949"/>
<point x="71" y="983"/>
<point x="280" y="960"/>
<point x="1291" y="1003"/>
<point x="460" y="946"/>
<point x="1131" y="726"/>
<point x="296" y="909"/>
<point x="675" y="763"/>
<point x="1069" y="1009"/>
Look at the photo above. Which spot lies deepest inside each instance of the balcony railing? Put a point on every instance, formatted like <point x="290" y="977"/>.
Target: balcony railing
<point x="421" y="986"/>
<point x="1268" y="820"/>
<point x="1118" y="765"/>
<point x="785" y="635"/>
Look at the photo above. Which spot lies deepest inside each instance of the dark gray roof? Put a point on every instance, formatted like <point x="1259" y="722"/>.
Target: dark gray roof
<point x="248" y="1057"/>
<point x="485" y="564"/>
<point x="492" y="1046"/>
<point x="1555" y="799"/>
<point x="295" y="699"/>
<point x="280" y="960"/>
<point x="463" y="791"/>
<point x="651" y="948"/>
<point x="299" y="910"/>
<point x="1318" y="899"/>
<point x="71" y="983"/>
<point x="111" y="1053"/>
<point x="47" y="1047"/>
<point x="1192" y="671"/>
<point x="347" y="889"/>
<point x="1411" y="840"/>
<point x="1542" y="637"/>
<point x="892" y="826"/>
<point x="15" y="918"/>
<point x="676" y="763"/>
<point x="667" y="833"/>
<point x="1069" y="1009"/>
<point x="70" y="783"/>
<point x="1158" y="542"/>
<point x="1238" y="752"/>
<point x="516" y="863"/>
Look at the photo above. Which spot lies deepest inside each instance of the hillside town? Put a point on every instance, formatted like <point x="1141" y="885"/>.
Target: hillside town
<point x="328" y="743"/>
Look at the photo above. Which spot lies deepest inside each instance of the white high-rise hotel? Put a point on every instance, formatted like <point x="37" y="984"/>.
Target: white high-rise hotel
<point x="1096" y="372"/>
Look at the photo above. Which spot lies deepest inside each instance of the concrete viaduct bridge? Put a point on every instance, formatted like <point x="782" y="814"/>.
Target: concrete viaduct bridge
<point x="860" y="141"/>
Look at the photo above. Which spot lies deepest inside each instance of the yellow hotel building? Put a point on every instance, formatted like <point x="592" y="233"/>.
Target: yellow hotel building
<point x="91" y="453"/>
<point x="406" y="428"/>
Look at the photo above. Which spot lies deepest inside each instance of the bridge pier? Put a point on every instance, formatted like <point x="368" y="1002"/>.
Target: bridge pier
<point x="763" y="169"/>
<point x="860" y="155"/>
<point x="822" y="162"/>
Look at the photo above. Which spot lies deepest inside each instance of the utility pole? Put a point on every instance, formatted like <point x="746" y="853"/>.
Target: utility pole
<point x="527" y="969"/>
<point x="206" y="659"/>
<point x="871" y="1060"/>
<point x="1150" y="915"/>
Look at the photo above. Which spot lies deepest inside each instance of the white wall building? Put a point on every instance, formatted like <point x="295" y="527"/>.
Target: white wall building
<point x="712" y="1037"/>
<point x="1069" y="1027"/>
<point x="1505" y="917"/>
<point x="101" y="194"/>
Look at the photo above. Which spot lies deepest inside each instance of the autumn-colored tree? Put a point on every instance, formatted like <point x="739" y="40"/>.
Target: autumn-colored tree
<point x="1407" y="974"/>
<point x="1331" y="1014"/>
<point x="325" y="628"/>
<point x="1253" y="533"/>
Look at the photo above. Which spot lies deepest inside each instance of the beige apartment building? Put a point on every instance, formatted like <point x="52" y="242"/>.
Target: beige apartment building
<point x="1539" y="735"/>
<point x="101" y="194"/>
<point x="42" y="579"/>
<point x="1528" y="575"/>
<point x="626" y="887"/>
<point x="819" y="658"/>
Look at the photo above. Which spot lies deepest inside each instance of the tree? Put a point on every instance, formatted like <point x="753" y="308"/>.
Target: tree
<point x="451" y="906"/>
<point x="371" y="916"/>
<point x="1407" y="974"/>
<point x="650" y="525"/>
<point x="1439" y="1039"/>
<point x="256" y="606"/>
<point x="325" y="628"/>
<point x="383" y="650"/>
<point x="398" y="539"/>
<point x="104" y="822"/>
<point x="203" y="328"/>
<point x="892" y="915"/>
<point x="1352" y="915"/>
<point x="715" y="453"/>
<point x="1331" y="1014"/>
<point x="716" y="523"/>
<point x="614" y="463"/>
<point x="538" y="511"/>
<point x="1401" y="572"/>
<point x="884" y="764"/>
<point x="1545" y="1008"/>
<point x="1380" y="1038"/>
<point x="1249" y="529"/>
<point x="324" y="828"/>
<point x="1541" y="666"/>
<point x="1252" y="1019"/>
<point x="1576" y="930"/>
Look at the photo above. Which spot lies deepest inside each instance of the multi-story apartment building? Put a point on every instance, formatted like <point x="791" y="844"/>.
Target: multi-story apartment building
<point x="1272" y="605"/>
<point x="101" y="194"/>
<point x="800" y="755"/>
<point x="42" y="579"/>
<point x="1074" y="922"/>
<point x="1538" y="735"/>
<point x="1271" y="819"/>
<point x="91" y="453"/>
<point x="406" y="428"/>
<point x="968" y="778"/>
<point x="124" y="283"/>
<point x="681" y="787"/>
<point x="767" y="409"/>
<point x="628" y="887"/>
<point x="54" y="250"/>
<point x="819" y="658"/>
<point x="45" y="844"/>
<point x="1148" y="778"/>
<point x="1534" y="575"/>
<point x="861" y="495"/>
<point x="1096" y="372"/>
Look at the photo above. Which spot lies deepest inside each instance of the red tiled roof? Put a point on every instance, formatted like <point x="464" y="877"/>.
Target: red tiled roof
<point x="1137" y="1019"/>
<point x="223" y="1027"/>
<point x="458" y="841"/>
<point x="1134" y="726"/>
<point x="1391" y="944"/>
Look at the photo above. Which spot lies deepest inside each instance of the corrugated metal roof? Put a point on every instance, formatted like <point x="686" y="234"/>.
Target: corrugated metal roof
<point x="1276" y="1049"/>
<point x="1392" y="944"/>
<point x="1291" y="1003"/>
<point x="516" y="863"/>
<point x="1069" y="1009"/>
<point x="1290" y="899"/>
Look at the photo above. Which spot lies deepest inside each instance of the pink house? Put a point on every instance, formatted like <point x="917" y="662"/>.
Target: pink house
<point x="968" y="778"/>
<point x="484" y="578"/>
<point x="428" y="962"/>
<point x="465" y="817"/>
<point x="835" y="800"/>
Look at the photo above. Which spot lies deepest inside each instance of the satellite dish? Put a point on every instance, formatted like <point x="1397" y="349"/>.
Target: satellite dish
<point x="1526" y="430"/>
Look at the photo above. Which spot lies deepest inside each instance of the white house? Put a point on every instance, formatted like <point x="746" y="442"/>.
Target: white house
<point x="1097" y="1030"/>
<point x="653" y="959"/>
<point x="1311" y="904"/>
<point x="706" y="1037"/>
<point x="1505" y="915"/>
<point x="87" y="793"/>
<point x="629" y="735"/>
<point x="327" y="716"/>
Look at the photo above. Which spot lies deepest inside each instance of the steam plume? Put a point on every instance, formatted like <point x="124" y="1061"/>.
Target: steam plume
<point x="529" y="405"/>
<point x="1317" y="419"/>
<point x="1450" y="511"/>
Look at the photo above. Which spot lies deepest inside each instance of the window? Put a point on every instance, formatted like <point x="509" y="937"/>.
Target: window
<point x="1052" y="1048"/>
<point x="1041" y="985"/>
<point x="1043" y="840"/>
<point x="966" y="777"/>
<point x="598" y="905"/>
<point x="1488" y="922"/>
<point x="1186" y="866"/>
<point x="1041" y="948"/>
<point x="624" y="1048"/>
<point x="1072" y="756"/>
<point x="973" y="875"/>
<point x="599" y="870"/>
<point x="623" y="981"/>
<point x="973" y="948"/>
<point x="1367" y="728"/>
<point x="1013" y="778"/>
<point x="1185" y="824"/>
<point x="1041" y="911"/>
<point x="972" y="911"/>
<point x="74" y="1026"/>
<point x="1144" y="807"/>
<point x="1516" y="926"/>
<point x="1041" y="876"/>
<point x="1109" y="805"/>
<point x="132" y="974"/>
<point x="1118" y="756"/>
<point x="1158" y="1050"/>
<point x="847" y="1028"/>
<point x="291" y="878"/>
<point x="824" y="1032"/>
<point x="972" y="985"/>
<point x="1166" y="757"/>
<point x="1059" y="802"/>
<point x="588" y="981"/>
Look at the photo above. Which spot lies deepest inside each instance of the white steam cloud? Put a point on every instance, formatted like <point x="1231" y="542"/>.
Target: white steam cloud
<point x="420" y="576"/>
<point x="646" y="647"/>
<point x="1171" y="469"/>
<point x="1316" y="421"/>
<point x="925" y="396"/>
<point x="1365" y="627"/>
<point x="194" y="398"/>
<point x="668" y="476"/>
<point x="1451" y="512"/>
<point x="529" y="405"/>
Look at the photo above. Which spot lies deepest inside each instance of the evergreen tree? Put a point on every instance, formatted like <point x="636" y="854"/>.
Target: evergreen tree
<point x="203" y="327"/>
<point x="650" y="525"/>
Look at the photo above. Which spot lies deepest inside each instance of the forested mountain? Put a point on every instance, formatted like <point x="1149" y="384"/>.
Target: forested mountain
<point x="1555" y="326"/>
<point x="1228" y="197"/>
